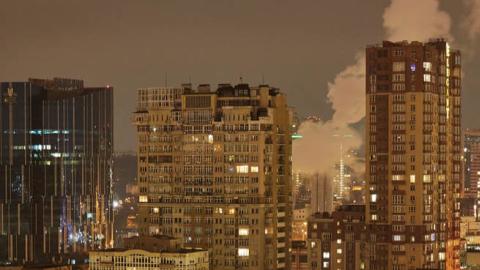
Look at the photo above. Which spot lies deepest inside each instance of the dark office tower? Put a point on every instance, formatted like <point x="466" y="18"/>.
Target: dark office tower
<point x="413" y="145"/>
<point x="55" y="170"/>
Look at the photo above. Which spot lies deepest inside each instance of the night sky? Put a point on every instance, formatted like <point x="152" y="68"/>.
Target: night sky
<point x="298" y="46"/>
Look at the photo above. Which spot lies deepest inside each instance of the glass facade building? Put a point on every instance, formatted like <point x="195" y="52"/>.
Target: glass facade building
<point x="56" y="148"/>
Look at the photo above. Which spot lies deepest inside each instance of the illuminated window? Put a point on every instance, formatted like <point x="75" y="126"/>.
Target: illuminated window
<point x="231" y="211"/>
<point x="397" y="177"/>
<point x="243" y="231"/>
<point x="373" y="197"/>
<point x="427" y="77"/>
<point x="254" y="169"/>
<point x="143" y="199"/>
<point x="339" y="251"/>
<point x="339" y="241"/>
<point x="412" y="178"/>
<point x="427" y="178"/>
<point x="210" y="138"/>
<point x="155" y="210"/>
<point x="441" y="256"/>
<point x="374" y="217"/>
<point x="242" y="168"/>
<point x="325" y="264"/>
<point x="427" y="66"/>
<point x="326" y="255"/>
<point x="397" y="237"/>
<point x="243" y="252"/>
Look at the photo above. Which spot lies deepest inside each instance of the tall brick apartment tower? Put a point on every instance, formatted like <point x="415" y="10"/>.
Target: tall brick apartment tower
<point x="413" y="148"/>
<point x="214" y="169"/>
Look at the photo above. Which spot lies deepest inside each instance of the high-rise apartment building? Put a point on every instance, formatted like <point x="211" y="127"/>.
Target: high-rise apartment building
<point x="413" y="155"/>
<point x="56" y="145"/>
<point x="214" y="169"/>
<point x="472" y="162"/>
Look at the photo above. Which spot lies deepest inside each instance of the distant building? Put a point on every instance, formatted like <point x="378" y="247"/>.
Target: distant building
<point x="299" y="224"/>
<point x="155" y="243"/>
<point x="214" y="169"/>
<point x="472" y="162"/>
<point x="299" y="255"/>
<point x="337" y="240"/>
<point x="123" y="259"/>
<point x="413" y="155"/>
<point x="56" y="145"/>
<point x="471" y="151"/>
<point x="150" y="252"/>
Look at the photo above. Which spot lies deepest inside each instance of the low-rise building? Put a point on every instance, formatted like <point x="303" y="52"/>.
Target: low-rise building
<point x="122" y="259"/>
<point x="158" y="252"/>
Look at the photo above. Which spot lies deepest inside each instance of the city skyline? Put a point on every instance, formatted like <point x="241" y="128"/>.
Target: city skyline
<point x="295" y="46"/>
<point x="239" y="135"/>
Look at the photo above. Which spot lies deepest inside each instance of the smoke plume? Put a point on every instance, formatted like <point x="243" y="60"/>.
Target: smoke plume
<point x="416" y="20"/>
<point x="319" y="149"/>
<point x="472" y="21"/>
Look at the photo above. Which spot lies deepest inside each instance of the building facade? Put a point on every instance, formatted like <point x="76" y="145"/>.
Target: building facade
<point x="214" y="169"/>
<point x="472" y="162"/>
<point x="413" y="155"/>
<point x="299" y="255"/>
<point x="56" y="147"/>
<point x="124" y="259"/>
<point x="337" y="240"/>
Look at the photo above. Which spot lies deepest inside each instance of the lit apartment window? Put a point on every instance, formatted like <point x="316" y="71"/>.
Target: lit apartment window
<point x="339" y="251"/>
<point x="243" y="252"/>
<point x="243" y="231"/>
<point x="325" y="264"/>
<point x="254" y="169"/>
<point x="374" y="217"/>
<point x="427" y="77"/>
<point x="143" y="199"/>
<point x="155" y="210"/>
<point x="373" y="197"/>
<point x="242" y="168"/>
<point x="426" y="178"/>
<point x="412" y="178"/>
<point x="427" y="66"/>
<point x="397" y="177"/>
<point x="397" y="237"/>
<point x="326" y="255"/>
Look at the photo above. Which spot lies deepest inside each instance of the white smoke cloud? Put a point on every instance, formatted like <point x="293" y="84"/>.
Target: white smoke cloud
<point x="416" y="20"/>
<point x="472" y="22"/>
<point x="319" y="149"/>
